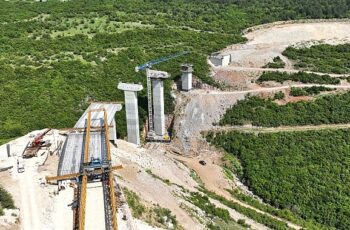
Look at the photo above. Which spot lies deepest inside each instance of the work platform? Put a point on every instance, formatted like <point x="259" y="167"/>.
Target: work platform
<point x="72" y="154"/>
<point x="73" y="150"/>
<point x="86" y="158"/>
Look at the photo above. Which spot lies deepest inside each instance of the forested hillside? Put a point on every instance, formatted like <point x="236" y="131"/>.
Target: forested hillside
<point x="321" y="58"/>
<point x="269" y="10"/>
<point x="305" y="172"/>
<point x="330" y="109"/>
<point x="56" y="56"/>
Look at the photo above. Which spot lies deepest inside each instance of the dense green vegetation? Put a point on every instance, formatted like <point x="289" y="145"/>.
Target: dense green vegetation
<point x="305" y="172"/>
<point x="321" y="58"/>
<point x="270" y="10"/>
<point x="211" y="210"/>
<point x="298" y="77"/>
<point x="258" y="217"/>
<point x="329" y="109"/>
<point x="6" y="200"/>
<point x="282" y="213"/>
<point x="308" y="91"/>
<point x="277" y="63"/>
<point x="56" y="56"/>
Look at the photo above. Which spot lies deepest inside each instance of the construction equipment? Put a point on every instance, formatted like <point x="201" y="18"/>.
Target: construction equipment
<point x="94" y="168"/>
<point x="33" y="147"/>
<point x="38" y="140"/>
<point x="147" y="66"/>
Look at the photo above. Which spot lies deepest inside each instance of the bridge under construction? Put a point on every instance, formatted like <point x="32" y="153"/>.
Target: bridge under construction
<point x="86" y="158"/>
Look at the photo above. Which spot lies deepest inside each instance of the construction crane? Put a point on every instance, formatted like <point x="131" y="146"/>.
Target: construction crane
<point x="146" y="66"/>
<point x="94" y="168"/>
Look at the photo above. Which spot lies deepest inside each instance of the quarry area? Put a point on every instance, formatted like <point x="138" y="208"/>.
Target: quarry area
<point x="151" y="176"/>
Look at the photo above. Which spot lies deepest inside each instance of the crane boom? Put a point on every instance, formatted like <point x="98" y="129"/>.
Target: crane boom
<point x="146" y="66"/>
<point x="151" y="63"/>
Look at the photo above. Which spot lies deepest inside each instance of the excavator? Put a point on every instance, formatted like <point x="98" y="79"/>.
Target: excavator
<point x="34" y="146"/>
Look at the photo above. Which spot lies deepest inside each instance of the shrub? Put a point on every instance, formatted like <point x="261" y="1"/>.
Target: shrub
<point x="6" y="200"/>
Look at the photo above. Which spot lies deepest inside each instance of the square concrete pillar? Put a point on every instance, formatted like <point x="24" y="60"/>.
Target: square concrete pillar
<point x="158" y="107"/>
<point x="132" y="112"/>
<point x="186" y="77"/>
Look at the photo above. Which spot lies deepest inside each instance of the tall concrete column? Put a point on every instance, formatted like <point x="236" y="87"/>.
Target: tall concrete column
<point x="132" y="112"/>
<point x="158" y="100"/>
<point x="158" y="107"/>
<point x="186" y="77"/>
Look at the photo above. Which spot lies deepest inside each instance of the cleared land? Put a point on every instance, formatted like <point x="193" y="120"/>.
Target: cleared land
<point x="266" y="43"/>
<point x="269" y="41"/>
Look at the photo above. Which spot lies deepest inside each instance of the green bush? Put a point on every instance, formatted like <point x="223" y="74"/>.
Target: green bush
<point x="279" y="96"/>
<point x="296" y="92"/>
<point x="308" y="91"/>
<point x="6" y="200"/>
<point x="164" y="212"/>
<point x="276" y="64"/>
<point x="298" y="77"/>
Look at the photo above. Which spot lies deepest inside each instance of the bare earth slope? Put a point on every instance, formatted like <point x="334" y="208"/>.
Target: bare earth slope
<point x="265" y="44"/>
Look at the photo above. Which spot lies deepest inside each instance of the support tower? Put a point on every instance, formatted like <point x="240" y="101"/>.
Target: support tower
<point x="157" y="78"/>
<point x="186" y="77"/>
<point x="132" y="113"/>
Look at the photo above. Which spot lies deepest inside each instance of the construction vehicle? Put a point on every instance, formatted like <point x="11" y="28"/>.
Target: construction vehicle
<point x="92" y="168"/>
<point x="147" y="66"/>
<point x="33" y="147"/>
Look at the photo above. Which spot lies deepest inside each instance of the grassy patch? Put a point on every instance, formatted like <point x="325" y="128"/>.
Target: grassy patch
<point x="165" y="181"/>
<point x="155" y="215"/>
<point x="134" y="203"/>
